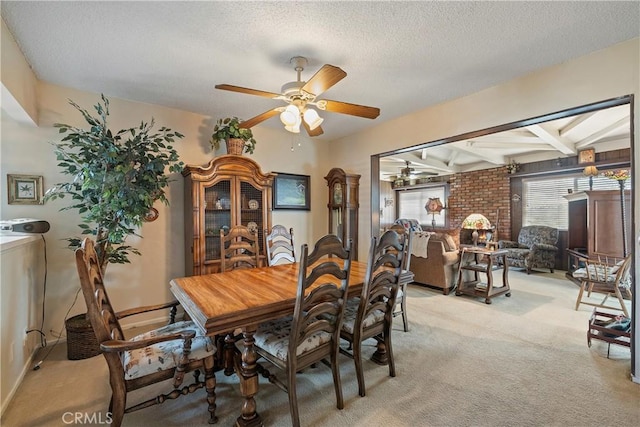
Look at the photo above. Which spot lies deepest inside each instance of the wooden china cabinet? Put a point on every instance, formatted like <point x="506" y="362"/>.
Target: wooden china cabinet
<point x="343" y="206"/>
<point x="230" y="190"/>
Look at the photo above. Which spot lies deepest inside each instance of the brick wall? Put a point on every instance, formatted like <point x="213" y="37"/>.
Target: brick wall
<point x="482" y="192"/>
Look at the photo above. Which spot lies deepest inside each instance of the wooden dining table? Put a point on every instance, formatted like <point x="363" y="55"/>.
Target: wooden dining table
<point x="242" y="299"/>
<point x="221" y="303"/>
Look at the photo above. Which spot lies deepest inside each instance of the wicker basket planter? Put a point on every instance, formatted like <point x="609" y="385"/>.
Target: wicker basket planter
<point x="235" y="146"/>
<point x="81" y="341"/>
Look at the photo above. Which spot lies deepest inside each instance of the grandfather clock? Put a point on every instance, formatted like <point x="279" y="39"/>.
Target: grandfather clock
<point x="343" y="206"/>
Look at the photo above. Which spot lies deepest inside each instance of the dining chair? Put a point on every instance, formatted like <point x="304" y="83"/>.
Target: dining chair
<point x="279" y="245"/>
<point x="401" y="300"/>
<point x="149" y="358"/>
<point x="239" y="248"/>
<point x="371" y="315"/>
<point x="605" y="276"/>
<point x="312" y="334"/>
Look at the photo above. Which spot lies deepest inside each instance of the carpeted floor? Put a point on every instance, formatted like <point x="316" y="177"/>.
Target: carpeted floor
<point x="521" y="361"/>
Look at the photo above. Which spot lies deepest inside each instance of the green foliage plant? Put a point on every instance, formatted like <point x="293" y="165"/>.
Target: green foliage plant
<point x="116" y="178"/>
<point x="229" y="127"/>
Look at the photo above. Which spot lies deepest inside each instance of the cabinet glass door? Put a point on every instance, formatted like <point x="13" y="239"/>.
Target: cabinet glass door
<point x="217" y="216"/>
<point x="251" y="210"/>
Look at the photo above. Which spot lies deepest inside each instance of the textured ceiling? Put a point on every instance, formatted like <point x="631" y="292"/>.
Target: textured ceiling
<point x="399" y="56"/>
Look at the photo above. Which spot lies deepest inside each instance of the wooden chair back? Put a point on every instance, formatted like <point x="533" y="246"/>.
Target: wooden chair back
<point x="103" y="318"/>
<point x="118" y="351"/>
<point x="319" y="311"/>
<point x="279" y="245"/>
<point x="375" y="309"/>
<point x="384" y="266"/>
<point x="239" y="249"/>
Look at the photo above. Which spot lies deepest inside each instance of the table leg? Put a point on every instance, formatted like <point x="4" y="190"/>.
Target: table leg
<point x="505" y="275"/>
<point x="380" y="356"/>
<point x="248" y="381"/>
<point x="489" y="279"/>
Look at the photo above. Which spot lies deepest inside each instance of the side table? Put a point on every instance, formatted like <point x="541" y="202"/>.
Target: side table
<point x="481" y="260"/>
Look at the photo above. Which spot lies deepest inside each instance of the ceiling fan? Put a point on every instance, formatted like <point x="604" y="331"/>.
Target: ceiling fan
<point x="408" y="171"/>
<point x="301" y="95"/>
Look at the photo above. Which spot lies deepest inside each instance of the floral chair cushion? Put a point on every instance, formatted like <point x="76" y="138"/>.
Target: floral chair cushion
<point x="351" y="311"/>
<point x="165" y="355"/>
<point x="273" y="337"/>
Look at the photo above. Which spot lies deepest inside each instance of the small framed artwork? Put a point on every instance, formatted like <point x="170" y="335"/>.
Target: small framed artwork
<point x="292" y="192"/>
<point x="24" y="189"/>
<point x="587" y="156"/>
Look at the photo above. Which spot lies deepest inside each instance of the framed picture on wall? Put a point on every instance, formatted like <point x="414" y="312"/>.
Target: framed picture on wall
<point x="292" y="191"/>
<point x="24" y="189"/>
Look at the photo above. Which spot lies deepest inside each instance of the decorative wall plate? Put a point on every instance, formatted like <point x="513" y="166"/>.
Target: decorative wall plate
<point x="253" y="204"/>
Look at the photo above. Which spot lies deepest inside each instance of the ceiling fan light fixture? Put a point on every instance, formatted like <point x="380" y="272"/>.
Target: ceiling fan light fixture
<point x="290" y="116"/>
<point x="295" y="127"/>
<point x="312" y="118"/>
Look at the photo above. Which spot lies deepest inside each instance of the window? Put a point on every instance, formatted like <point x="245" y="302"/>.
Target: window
<point x="544" y="202"/>
<point x="411" y="205"/>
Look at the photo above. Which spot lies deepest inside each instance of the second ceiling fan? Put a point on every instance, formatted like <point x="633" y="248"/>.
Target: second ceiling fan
<point x="301" y="95"/>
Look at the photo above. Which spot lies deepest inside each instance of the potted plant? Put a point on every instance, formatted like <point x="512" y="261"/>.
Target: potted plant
<point x="237" y="138"/>
<point x="116" y="178"/>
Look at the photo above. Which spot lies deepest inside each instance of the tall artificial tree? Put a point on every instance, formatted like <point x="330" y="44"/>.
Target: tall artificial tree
<point x="116" y="178"/>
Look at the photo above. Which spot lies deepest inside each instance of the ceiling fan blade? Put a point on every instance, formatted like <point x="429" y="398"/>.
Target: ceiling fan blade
<point x="326" y="77"/>
<point x="352" y="109"/>
<point x="259" y="119"/>
<point x="248" y="91"/>
<point x="315" y="132"/>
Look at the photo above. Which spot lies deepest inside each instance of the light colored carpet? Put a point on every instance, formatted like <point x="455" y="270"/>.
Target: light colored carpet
<point x="521" y="361"/>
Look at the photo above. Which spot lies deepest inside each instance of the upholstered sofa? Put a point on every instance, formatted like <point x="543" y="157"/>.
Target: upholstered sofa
<point x="535" y="248"/>
<point x="440" y="266"/>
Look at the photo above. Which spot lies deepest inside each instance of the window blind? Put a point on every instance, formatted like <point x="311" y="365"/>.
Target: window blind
<point x="544" y="202"/>
<point x="411" y="205"/>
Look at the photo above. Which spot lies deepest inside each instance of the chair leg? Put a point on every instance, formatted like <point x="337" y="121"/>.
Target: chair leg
<point x="357" y="358"/>
<point x="117" y="407"/>
<point x="293" y="398"/>
<point x="403" y="306"/>
<point x="619" y="296"/>
<point x="335" y="370"/>
<point x="210" y="385"/>
<point x="387" y="341"/>
<point x="580" y="292"/>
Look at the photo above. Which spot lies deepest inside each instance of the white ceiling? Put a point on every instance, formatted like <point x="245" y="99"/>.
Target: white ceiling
<point x="399" y="56"/>
<point x="603" y="130"/>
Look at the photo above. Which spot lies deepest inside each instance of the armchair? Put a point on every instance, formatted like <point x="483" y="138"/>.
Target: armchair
<point x="535" y="248"/>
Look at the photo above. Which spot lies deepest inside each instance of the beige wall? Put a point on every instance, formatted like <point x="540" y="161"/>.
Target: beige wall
<point x="605" y="74"/>
<point x="27" y="150"/>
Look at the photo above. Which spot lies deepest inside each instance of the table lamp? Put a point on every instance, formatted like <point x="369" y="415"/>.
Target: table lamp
<point x="479" y="224"/>
<point x="590" y="171"/>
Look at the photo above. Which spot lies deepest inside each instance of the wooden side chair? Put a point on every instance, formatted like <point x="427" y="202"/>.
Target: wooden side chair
<point x="401" y="300"/>
<point x="312" y="334"/>
<point x="149" y="358"/>
<point x="371" y="315"/>
<point x="607" y="276"/>
<point x="279" y="245"/>
<point x="239" y="249"/>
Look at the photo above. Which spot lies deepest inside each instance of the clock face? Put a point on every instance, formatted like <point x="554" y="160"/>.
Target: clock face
<point x="337" y="193"/>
